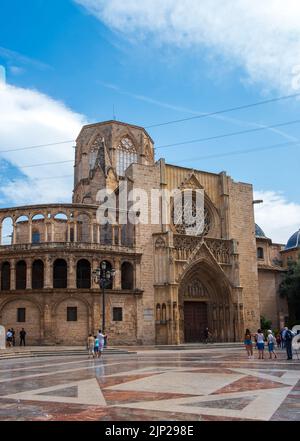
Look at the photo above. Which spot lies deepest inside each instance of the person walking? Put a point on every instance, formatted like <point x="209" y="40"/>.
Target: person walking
<point x="278" y="340"/>
<point x="271" y="342"/>
<point x="101" y="339"/>
<point x="206" y="334"/>
<point x="288" y="338"/>
<point x="90" y="345"/>
<point x="248" y="343"/>
<point x="22" y="337"/>
<point x="260" y="338"/>
<point x="96" y="347"/>
<point x="282" y="334"/>
<point x="13" y="336"/>
<point x="9" y="338"/>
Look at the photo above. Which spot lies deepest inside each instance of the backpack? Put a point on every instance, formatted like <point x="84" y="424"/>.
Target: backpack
<point x="288" y="336"/>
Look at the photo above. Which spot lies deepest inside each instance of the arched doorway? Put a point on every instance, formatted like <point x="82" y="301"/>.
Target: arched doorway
<point x="205" y="302"/>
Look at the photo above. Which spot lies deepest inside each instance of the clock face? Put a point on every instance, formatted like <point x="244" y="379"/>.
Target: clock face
<point x="189" y="220"/>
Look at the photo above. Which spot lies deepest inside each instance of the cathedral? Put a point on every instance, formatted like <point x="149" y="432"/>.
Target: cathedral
<point x="168" y="286"/>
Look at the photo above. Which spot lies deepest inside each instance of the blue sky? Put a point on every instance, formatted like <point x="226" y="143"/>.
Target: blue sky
<point x="151" y="62"/>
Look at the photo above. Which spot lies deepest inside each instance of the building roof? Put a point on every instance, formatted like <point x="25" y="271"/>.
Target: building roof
<point x="114" y="122"/>
<point x="294" y="241"/>
<point x="259" y="232"/>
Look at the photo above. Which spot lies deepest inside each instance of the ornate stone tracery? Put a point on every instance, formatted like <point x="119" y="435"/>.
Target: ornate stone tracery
<point x="185" y="245"/>
<point x="195" y="289"/>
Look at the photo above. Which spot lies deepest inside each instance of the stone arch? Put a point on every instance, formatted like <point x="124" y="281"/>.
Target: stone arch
<point x="37" y="274"/>
<point x="83" y="274"/>
<point x="71" y="332"/>
<point x="21" y="274"/>
<point x="205" y="300"/>
<point x="126" y="153"/>
<point x="5" y="276"/>
<point x="33" y="318"/>
<point x="22" y="228"/>
<point x="60" y="273"/>
<point x="7" y="230"/>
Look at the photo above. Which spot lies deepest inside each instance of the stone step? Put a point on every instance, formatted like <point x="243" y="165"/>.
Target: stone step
<point x="7" y="354"/>
<point x="200" y="346"/>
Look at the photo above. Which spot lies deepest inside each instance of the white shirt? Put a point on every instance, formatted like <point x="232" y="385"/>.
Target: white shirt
<point x="260" y="338"/>
<point x="100" y="337"/>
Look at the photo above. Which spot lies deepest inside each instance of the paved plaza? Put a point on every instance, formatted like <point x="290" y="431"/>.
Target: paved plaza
<point x="152" y="385"/>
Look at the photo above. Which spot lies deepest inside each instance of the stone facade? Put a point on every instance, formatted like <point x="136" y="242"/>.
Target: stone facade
<point x="168" y="285"/>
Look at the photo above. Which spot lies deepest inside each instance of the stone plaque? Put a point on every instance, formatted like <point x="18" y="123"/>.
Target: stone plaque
<point x="2" y="337"/>
<point x="148" y="314"/>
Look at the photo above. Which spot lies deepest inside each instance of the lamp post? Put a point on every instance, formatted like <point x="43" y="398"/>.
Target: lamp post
<point x="103" y="277"/>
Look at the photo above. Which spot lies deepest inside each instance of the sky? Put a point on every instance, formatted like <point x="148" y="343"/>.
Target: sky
<point x="66" y="63"/>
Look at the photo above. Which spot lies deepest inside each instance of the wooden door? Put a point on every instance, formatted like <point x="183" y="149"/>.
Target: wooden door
<point x="195" y="321"/>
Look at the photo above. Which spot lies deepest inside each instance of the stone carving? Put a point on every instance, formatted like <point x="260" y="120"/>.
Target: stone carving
<point x="195" y="289"/>
<point x="185" y="244"/>
<point x="220" y="249"/>
<point x="160" y="243"/>
<point x="149" y="153"/>
<point x="2" y="337"/>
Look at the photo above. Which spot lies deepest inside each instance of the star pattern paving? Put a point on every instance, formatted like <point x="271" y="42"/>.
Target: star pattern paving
<point x="212" y="384"/>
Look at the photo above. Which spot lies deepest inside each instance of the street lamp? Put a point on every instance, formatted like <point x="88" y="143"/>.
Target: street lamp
<point x="103" y="276"/>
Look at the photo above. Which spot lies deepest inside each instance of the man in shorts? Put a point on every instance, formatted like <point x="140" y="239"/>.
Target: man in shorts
<point x="91" y="345"/>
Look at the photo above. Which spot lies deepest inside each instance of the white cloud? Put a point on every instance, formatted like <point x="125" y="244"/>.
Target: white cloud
<point x="263" y="37"/>
<point x="278" y="217"/>
<point x="28" y="117"/>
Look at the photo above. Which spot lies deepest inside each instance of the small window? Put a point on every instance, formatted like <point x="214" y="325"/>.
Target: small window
<point x="71" y="314"/>
<point x="260" y="253"/>
<point x="36" y="237"/>
<point x="21" y="315"/>
<point x="117" y="314"/>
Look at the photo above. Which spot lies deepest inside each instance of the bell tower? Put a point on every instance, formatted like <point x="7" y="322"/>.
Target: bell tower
<point x="103" y="153"/>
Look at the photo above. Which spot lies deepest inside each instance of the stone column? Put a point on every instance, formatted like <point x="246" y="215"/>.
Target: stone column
<point x="113" y="234"/>
<point x="28" y="273"/>
<point x="95" y="265"/>
<point x="12" y="275"/>
<point x="14" y="238"/>
<point x="48" y="325"/>
<point x="92" y="232"/>
<point x="117" y="279"/>
<point x="52" y="231"/>
<point x="75" y="231"/>
<point x="71" y="273"/>
<point x="29" y="231"/>
<point x="119" y="234"/>
<point x="68" y="231"/>
<point x="45" y="230"/>
<point x="48" y="276"/>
